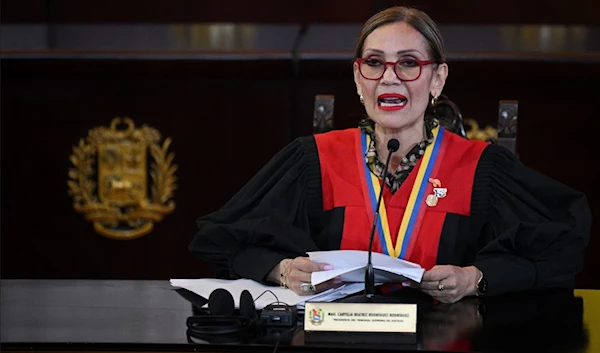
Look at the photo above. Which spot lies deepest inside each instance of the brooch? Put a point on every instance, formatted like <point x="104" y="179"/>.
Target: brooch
<point x="438" y="193"/>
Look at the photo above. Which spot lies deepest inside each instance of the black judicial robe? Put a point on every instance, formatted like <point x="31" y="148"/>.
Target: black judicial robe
<point x="522" y="229"/>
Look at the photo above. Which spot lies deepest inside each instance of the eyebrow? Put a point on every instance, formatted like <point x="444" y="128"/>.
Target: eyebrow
<point x="407" y="51"/>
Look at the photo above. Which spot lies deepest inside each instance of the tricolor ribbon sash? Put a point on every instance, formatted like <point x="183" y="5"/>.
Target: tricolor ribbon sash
<point x="413" y="215"/>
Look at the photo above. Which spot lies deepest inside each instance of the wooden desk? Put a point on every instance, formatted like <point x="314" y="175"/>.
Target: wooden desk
<point x="96" y="315"/>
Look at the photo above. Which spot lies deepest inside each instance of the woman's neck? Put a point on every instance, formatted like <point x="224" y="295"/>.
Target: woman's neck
<point x="408" y="138"/>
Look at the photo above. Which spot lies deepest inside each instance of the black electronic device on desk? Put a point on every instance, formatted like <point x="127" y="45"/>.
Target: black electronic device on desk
<point x="222" y="323"/>
<point x="216" y="320"/>
<point x="278" y="315"/>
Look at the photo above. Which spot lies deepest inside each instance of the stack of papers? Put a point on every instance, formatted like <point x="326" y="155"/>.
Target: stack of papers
<point x="350" y="266"/>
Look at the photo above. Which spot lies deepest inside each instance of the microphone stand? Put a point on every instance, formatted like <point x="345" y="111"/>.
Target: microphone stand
<point x="369" y="294"/>
<point x="372" y="303"/>
<point x="370" y="272"/>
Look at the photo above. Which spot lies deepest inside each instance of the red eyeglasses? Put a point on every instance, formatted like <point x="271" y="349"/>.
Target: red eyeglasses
<point x="405" y="69"/>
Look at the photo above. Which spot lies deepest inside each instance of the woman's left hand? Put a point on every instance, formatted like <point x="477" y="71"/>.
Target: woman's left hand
<point x="448" y="283"/>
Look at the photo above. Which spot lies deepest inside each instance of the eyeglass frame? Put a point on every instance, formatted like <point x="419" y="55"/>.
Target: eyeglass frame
<point x="421" y="63"/>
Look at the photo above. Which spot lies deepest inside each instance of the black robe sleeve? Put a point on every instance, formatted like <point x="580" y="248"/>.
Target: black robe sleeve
<point x="539" y="227"/>
<point x="267" y="220"/>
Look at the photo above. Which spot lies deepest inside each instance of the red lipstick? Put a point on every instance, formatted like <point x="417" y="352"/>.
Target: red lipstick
<point x="391" y="101"/>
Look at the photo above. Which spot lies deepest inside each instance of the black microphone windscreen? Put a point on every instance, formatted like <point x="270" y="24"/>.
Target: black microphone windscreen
<point x="247" y="307"/>
<point x="393" y="145"/>
<point x="220" y="302"/>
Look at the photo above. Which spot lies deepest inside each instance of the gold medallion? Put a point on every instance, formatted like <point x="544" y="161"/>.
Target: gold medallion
<point x="431" y="200"/>
<point x="122" y="207"/>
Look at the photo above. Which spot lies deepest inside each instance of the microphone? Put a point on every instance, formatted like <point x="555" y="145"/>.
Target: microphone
<point x="392" y="147"/>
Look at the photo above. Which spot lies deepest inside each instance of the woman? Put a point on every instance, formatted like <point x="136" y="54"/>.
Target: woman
<point x="475" y="218"/>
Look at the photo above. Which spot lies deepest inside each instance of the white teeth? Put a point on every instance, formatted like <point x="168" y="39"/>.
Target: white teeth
<point x="392" y="102"/>
<point x="386" y="104"/>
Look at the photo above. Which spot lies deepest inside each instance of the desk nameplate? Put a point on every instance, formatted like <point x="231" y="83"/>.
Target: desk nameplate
<point x="360" y="317"/>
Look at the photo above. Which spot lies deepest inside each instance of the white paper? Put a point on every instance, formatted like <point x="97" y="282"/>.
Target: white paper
<point x="204" y="286"/>
<point x="350" y="266"/>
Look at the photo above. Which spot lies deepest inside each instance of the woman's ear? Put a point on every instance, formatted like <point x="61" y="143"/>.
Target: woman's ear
<point x="438" y="79"/>
<point x="357" y="79"/>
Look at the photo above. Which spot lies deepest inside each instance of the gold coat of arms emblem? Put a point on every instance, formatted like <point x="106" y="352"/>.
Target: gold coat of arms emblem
<point x="109" y="181"/>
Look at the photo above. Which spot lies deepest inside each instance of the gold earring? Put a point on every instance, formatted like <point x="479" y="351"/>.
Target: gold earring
<point x="362" y="100"/>
<point x="433" y="101"/>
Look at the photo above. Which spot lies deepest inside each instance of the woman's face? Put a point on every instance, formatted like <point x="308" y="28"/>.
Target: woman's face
<point x="390" y="102"/>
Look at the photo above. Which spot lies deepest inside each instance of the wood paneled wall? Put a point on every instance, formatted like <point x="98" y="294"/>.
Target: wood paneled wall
<point x="226" y="119"/>
<point x="308" y="11"/>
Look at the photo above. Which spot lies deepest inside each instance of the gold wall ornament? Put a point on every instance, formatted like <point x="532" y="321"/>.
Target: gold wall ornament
<point x="476" y="133"/>
<point x="122" y="208"/>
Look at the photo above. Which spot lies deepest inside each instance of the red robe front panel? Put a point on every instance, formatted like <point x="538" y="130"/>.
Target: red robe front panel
<point x="343" y="187"/>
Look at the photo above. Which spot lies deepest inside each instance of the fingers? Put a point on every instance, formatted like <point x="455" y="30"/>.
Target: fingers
<point x="440" y="277"/>
<point x="447" y="283"/>
<point x="447" y="295"/>
<point x="444" y="291"/>
<point x="438" y="273"/>
<point x="299" y="274"/>
<point x="304" y="264"/>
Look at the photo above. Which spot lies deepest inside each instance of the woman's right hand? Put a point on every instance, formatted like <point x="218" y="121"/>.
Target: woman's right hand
<point x="296" y="272"/>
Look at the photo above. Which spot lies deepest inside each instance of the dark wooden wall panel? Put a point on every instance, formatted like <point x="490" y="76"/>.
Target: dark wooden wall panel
<point x="47" y="106"/>
<point x="307" y="11"/>
<point x="225" y="124"/>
